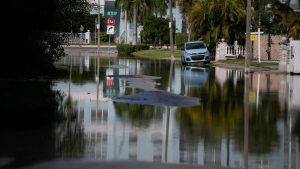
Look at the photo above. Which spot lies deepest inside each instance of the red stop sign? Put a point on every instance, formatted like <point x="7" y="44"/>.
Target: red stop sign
<point x="111" y="21"/>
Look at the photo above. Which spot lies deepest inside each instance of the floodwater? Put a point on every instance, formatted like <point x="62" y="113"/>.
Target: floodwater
<point x="113" y="109"/>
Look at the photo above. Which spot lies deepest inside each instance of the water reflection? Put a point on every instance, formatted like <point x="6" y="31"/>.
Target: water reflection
<point x="242" y="122"/>
<point x="216" y="133"/>
<point x="195" y="76"/>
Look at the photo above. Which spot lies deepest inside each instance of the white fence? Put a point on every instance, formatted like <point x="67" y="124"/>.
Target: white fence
<point x="79" y="38"/>
<point x="235" y="51"/>
<point x="225" y="51"/>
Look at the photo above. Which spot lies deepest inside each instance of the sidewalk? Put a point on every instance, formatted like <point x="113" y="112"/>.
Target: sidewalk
<point x="88" y="46"/>
<point x="269" y="68"/>
<point x="91" y="50"/>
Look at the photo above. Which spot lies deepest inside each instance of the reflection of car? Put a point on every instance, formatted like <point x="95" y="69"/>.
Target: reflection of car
<point x="195" y="52"/>
<point x="195" y="76"/>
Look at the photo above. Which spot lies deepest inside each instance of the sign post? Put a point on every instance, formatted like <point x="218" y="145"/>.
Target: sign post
<point x="110" y="31"/>
<point x="111" y="21"/>
<point x="255" y="36"/>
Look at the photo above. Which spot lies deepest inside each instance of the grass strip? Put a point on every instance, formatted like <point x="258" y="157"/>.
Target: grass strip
<point x="157" y="53"/>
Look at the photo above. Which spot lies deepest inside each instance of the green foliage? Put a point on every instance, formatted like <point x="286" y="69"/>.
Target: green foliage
<point x="88" y="22"/>
<point x="157" y="53"/>
<point x="131" y="113"/>
<point x="286" y="20"/>
<point x="181" y="38"/>
<point x="141" y="47"/>
<point x="36" y="27"/>
<point x="227" y="21"/>
<point x="155" y="31"/>
<point x="104" y="37"/>
<point x="127" y="50"/>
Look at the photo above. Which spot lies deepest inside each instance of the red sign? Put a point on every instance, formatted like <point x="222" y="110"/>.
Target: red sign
<point x="111" y="21"/>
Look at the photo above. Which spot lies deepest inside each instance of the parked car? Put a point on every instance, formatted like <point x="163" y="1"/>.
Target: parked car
<point x="195" y="52"/>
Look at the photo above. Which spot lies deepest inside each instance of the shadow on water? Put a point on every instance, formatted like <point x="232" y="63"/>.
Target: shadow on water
<point x="28" y="104"/>
<point x="28" y="111"/>
<point x="30" y="116"/>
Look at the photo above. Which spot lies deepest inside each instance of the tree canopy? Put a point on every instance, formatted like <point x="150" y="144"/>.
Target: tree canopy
<point x="227" y="21"/>
<point x="155" y="30"/>
<point x="35" y="32"/>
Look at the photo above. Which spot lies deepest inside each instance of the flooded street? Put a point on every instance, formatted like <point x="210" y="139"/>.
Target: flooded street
<point x="112" y="109"/>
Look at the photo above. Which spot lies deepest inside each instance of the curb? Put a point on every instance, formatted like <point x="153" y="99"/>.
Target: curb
<point x="88" y="46"/>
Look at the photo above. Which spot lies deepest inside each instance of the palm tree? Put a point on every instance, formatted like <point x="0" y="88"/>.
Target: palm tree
<point x="225" y="22"/>
<point x="185" y="6"/>
<point x="159" y="7"/>
<point x="287" y="20"/>
<point x="134" y="9"/>
<point x="125" y="6"/>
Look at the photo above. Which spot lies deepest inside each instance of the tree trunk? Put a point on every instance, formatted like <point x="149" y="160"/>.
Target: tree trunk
<point x="125" y="41"/>
<point x="188" y="27"/>
<point x="171" y="29"/>
<point x="134" y="32"/>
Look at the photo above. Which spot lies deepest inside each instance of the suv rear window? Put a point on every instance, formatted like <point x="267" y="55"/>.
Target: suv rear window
<point x="195" y="46"/>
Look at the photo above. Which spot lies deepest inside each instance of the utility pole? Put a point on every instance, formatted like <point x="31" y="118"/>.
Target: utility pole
<point x="171" y="29"/>
<point x="98" y="25"/>
<point x="248" y="42"/>
<point x="96" y="29"/>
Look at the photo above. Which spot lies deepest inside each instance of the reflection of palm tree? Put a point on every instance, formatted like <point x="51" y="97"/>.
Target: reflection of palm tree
<point x="262" y="126"/>
<point x="138" y="115"/>
<point x="70" y="133"/>
<point x="217" y="114"/>
<point x="68" y="104"/>
<point x="70" y="139"/>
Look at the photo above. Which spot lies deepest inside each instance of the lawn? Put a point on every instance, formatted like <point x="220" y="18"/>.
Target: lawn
<point x="157" y="53"/>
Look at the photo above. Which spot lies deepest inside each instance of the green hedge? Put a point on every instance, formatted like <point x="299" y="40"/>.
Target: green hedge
<point x="103" y="37"/>
<point x="127" y="49"/>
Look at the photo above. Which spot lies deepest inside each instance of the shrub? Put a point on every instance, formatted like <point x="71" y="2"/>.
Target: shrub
<point x="141" y="47"/>
<point x="103" y="37"/>
<point x="127" y="49"/>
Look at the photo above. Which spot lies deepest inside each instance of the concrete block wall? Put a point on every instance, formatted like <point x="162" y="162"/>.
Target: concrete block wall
<point x="275" y="47"/>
